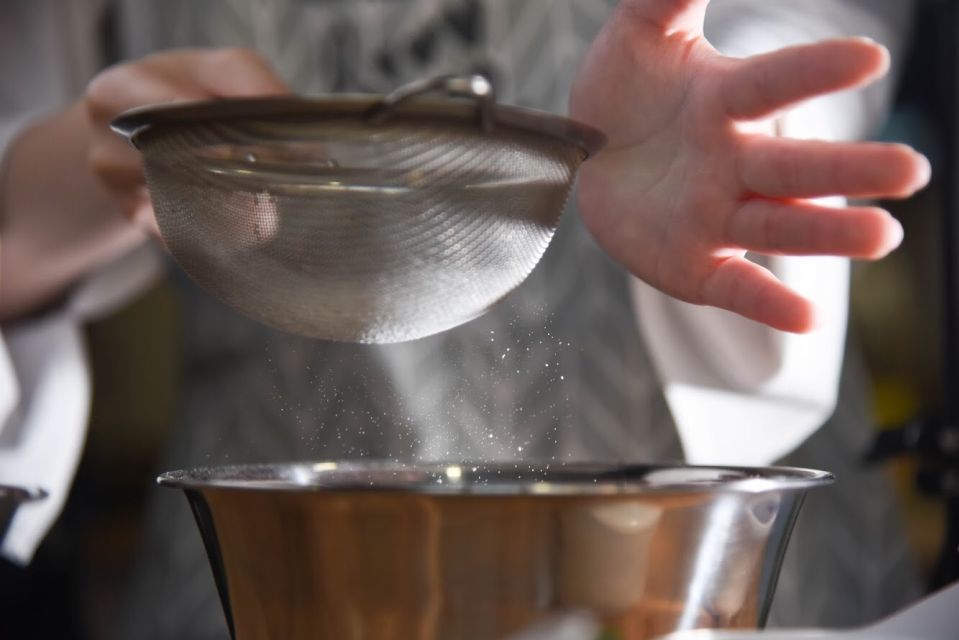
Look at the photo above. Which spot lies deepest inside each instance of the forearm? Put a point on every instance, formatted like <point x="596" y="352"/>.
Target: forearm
<point x="56" y="221"/>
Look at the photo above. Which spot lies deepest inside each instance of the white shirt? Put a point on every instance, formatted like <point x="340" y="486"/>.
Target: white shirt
<point x="740" y="393"/>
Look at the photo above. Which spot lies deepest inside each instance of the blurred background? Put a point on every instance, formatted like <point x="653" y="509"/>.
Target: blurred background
<point x="898" y="321"/>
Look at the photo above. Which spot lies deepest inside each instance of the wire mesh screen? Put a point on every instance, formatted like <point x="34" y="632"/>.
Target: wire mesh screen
<point x="342" y="229"/>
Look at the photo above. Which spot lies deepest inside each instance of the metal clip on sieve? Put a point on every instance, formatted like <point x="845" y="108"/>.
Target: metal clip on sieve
<point x="474" y="87"/>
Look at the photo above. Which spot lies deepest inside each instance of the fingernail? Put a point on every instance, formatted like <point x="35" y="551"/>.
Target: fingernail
<point x="814" y="319"/>
<point x="925" y="170"/>
<point x="896" y="233"/>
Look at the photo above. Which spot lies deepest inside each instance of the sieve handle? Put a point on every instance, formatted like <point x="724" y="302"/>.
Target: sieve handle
<point x="474" y="87"/>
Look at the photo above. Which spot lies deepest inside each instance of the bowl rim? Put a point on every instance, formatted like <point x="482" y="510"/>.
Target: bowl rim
<point x="495" y="479"/>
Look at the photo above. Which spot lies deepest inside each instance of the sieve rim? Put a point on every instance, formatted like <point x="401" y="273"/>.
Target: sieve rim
<point x="132" y="124"/>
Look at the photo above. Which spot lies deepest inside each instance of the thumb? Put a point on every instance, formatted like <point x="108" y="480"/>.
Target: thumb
<point x="667" y="15"/>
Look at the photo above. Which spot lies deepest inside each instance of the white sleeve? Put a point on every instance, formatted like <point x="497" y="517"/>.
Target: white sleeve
<point x="44" y="381"/>
<point x="742" y="393"/>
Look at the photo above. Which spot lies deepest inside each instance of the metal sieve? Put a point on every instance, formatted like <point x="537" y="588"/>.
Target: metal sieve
<point x="354" y="217"/>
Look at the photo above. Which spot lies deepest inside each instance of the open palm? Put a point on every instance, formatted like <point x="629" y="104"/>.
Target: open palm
<point x="684" y="189"/>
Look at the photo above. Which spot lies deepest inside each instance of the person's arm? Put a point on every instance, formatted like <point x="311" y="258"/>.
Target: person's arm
<point x="70" y="186"/>
<point x="53" y="214"/>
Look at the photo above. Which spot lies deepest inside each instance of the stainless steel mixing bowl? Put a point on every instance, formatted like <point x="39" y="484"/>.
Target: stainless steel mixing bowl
<point x="458" y="551"/>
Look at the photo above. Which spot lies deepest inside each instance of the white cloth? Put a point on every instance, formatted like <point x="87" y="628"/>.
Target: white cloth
<point x="45" y="387"/>
<point x="740" y="393"/>
<point x="743" y="394"/>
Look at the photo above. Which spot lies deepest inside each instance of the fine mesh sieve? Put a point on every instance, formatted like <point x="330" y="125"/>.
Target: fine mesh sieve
<point x="359" y="218"/>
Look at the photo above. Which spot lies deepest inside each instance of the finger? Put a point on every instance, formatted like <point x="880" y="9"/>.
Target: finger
<point x="118" y="173"/>
<point x="181" y="75"/>
<point x="779" y="228"/>
<point x="668" y="15"/>
<point x="759" y="86"/>
<point x="750" y="290"/>
<point x="224" y="72"/>
<point x="112" y="159"/>
<point x="142" y="216"/>
<point x="127" y="86"/>
<point x="783" y="168"/>
<point x="124" y="181"/>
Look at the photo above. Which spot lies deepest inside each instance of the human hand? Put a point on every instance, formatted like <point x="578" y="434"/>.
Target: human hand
<point x="686" y="187"/>
<point x="170" y="76"/>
